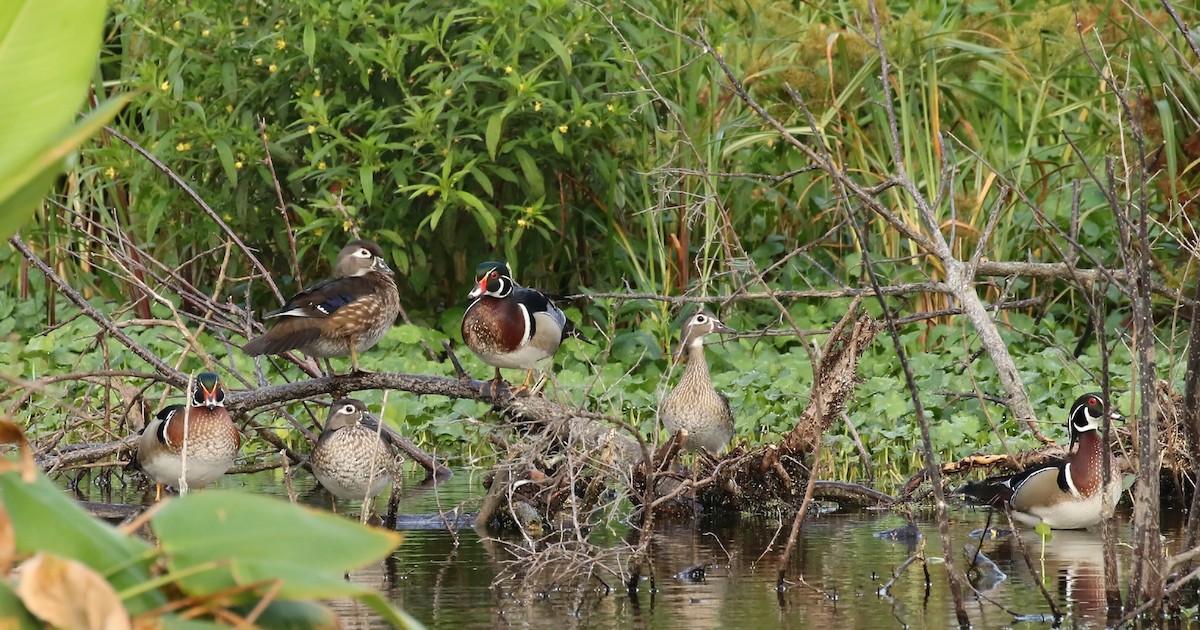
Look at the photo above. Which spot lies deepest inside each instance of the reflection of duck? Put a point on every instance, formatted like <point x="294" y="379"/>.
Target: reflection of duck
<point x="1076" y="559"/>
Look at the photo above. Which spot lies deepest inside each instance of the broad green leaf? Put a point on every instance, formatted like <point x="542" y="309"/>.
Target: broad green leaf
<point x="265" y="538"/>
<point x="494" y="125"/>
<point x="292" y="614"/>
<point x="20" y="189"/>
<point x="48" y="50"/>
<point x="44" y="519"/>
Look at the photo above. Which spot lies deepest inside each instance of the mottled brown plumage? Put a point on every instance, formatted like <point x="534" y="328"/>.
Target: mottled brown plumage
<point x="353" y="458"/>
<point x="342" y="316"/>
<point x="694" y="405"/>
<point x="211" y="440"/>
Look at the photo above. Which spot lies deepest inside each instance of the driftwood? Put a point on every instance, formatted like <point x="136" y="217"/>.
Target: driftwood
<point x="552" y="480"/>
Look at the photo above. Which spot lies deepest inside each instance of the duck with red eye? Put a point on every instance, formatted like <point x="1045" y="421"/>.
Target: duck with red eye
<point x="204" y="429"/>
<point x="342" y="316"/>
<point x="1065" y="493"/>
<point x="510" y="326"/>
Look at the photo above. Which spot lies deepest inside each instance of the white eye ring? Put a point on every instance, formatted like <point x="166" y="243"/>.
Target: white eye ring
<point x="348" y="409"/>
<point x="699" y="319"/>
<point x="363" y="253"/>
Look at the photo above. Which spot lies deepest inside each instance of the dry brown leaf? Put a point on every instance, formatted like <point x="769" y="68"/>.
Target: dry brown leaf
<point x="11" y="433"/>
<point x="8" y="542"/>
<point x="68" y="594"/>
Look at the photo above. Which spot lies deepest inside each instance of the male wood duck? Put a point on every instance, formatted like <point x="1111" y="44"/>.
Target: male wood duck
<point x="694" y="406"/>
<point x="344" y="315"/>
<point x="510" y="326"/>
<point x="1064" y="493"/>
<point x="353" y="459"/>
<point x="204" y="429"/>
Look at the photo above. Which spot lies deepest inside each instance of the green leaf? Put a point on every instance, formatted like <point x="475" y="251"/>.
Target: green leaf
<point x="494" y="125"/>
<point x="366" y="178"/>
<point x="225" y="155"/>
<point x="533" y="176"/>
<point x="237" y="539"/>
<point x="48" y="50"/>
<point x="557" y="46"/>
<point x="13" y="611"/>
<point x="1044" y="531"/>
<point x="44" y="519"/>
<point x="22" y="188"/>
<point x="310" y="42"/>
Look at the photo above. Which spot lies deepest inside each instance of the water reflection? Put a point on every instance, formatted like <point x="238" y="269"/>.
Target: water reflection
<point x="707" y="573"/>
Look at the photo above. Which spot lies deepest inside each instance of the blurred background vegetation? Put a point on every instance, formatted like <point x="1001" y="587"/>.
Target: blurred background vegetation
<point x="597" y="148"/>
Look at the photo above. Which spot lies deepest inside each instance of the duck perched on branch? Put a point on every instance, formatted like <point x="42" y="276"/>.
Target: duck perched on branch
<point x="510" y="326"/>
<point x="342" y="316"/>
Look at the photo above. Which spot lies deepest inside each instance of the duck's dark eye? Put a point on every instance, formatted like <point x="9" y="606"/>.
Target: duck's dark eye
<point x="700" y="319"/>
<point x="348" y="409"/>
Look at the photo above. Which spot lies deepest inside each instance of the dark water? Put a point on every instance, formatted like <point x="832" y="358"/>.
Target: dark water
<point x="468" y="580"/>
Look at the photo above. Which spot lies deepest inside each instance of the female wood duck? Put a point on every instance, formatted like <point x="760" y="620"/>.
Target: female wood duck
<point x="353" y="459"/>
<point x="1064" y="493"/>
<point x="694" y="406"/>
<point x="204" y="430"/>
<point x="510" y="326"/>
<point x="341" y="316"/>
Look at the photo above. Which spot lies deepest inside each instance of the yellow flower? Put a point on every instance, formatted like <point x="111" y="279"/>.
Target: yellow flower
<point x="346" y="225"/>
<point x="537" y="107"/>
<point x="522" y="223"/>
<point x="229" y="108"/>
<point x="562" y="129"/>
<point x="279" y="24"/>
<point x="611" y="107"/>
<point x="588" y="123"/>
<point x="246" y="21"/>
<point x="319" y="231"/>
<point x="110" y="173"/>
<point x="204" y="33"/>
<point x="448" y="92"/>
<point x="183" y="146"/>
<point x="321" y="165"/>
<point x="238" y="165"/>
<point x="507" y="69"/>
<point x="177" y="25"/>
<point x="166" y="85"/>
<point x="280" y="44"/>
<point x="520" y="87"/>
<point x="258" y="61"/>
<point x="272" y="68"/>
<point x="370" y="71"/>
<point x="317" y="93"/>
<point x="529" y="210"/>
<point x="312" y="129"/>
<point x="431" y="192"/>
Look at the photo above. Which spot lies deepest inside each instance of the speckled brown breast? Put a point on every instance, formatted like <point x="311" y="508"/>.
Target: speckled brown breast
<point x="354" y="463"/>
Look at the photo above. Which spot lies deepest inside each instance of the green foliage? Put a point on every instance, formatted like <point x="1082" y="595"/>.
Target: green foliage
<point x="213" y="542"/>
<point x="47" y="50"/>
